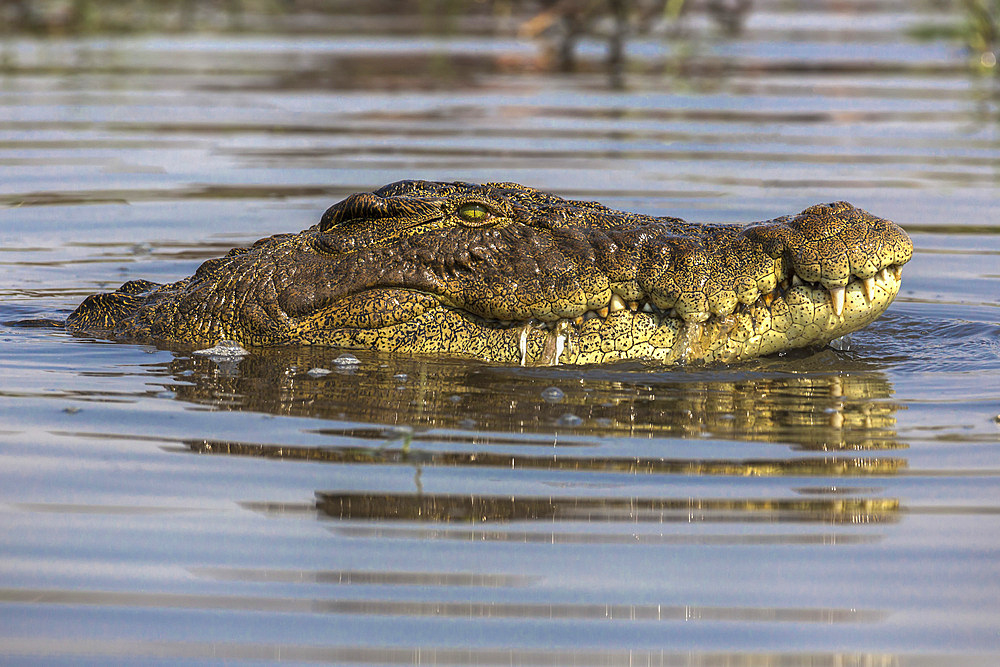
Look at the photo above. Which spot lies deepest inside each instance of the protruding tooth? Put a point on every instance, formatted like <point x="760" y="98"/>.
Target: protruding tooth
<point x="673" y="313"/>
<point x="837" y="299"/>
<point x="560" y="346"/>
<point x="896" y="270"/>
<point x="883" y="276"/>
<point x="523" y="344"/>
<point x="578" y="320"/>
<point x="589" y="315"/>
<point x="868" y="285"/>
<point x="603" y="312"/>
<point x="616" y="303"/>
<point x="633" y="306"/>
<point x="647" y="307"/>
<point x="796" y="281"/>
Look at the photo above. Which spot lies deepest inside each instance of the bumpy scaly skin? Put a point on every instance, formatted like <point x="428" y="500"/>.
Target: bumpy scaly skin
<point x="506" y="273"/>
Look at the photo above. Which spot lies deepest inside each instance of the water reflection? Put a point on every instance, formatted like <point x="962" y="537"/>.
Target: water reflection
<point x="770" y="401"/>
<point x="438" y="414"/>
<point x="445" y="508"/>
<point x="837" y="466"/>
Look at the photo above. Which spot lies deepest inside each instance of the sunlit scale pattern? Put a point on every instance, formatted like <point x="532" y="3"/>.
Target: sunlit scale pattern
<point x="506" y="273"/>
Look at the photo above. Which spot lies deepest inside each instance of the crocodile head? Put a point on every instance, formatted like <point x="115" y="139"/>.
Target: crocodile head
<point x="506" y="273"/>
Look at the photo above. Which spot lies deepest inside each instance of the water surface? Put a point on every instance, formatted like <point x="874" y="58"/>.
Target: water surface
<point x="829" y="507"/>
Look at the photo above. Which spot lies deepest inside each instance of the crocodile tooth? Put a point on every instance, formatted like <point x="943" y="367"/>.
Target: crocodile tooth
<point x="673" y="313"/>
<point x="590" y="314"/>
<point x="603" y="312"/>
<point x="578" y="320"/>
<point x="837" y="299"/>
<point x="647" y="307"/>
<point x="883" y="276"/>
<point x="796" y="281"/>
<point x="616" y="303"/>
<point x="896" y="270"/>
<point x="560" y="346"/>
<point x="868" y="285"/>
<point x="633" y="306"/>
<point x="523" y="344"/>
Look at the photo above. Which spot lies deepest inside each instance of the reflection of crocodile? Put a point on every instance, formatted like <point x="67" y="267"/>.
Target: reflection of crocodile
<point x="509" y="274"/>
<point x="476" y="509"/>
<point x="837" y="435"/>
<point x="819" y="413"/>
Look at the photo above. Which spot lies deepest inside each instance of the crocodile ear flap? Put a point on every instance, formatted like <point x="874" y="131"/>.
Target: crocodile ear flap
<point x="361" y="205"/>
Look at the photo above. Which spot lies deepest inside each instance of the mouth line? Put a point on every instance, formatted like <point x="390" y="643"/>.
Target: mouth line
<point x="835" y="297"/>
<point x="560" y="333"/>
<point x="854" y="300"/>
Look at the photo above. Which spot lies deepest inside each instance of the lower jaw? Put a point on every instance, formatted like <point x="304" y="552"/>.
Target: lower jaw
<point x="802" y="317"/>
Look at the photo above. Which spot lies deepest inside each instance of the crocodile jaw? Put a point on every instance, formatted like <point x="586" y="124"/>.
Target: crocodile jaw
<point x="792" y="316"/>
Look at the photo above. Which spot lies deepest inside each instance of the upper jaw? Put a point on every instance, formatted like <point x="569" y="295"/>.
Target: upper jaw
<point x="832" y="256"/>
<point x="826" y="249"/>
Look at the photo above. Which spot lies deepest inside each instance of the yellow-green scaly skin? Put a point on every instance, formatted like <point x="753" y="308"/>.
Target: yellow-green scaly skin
<point x="505" y="273"/>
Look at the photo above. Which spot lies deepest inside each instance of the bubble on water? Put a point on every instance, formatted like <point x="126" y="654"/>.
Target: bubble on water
<point x="225" y="350"/>
<point x="346" y="360"/>
<point x="318" y="372"/>
<point x="842" y="344"/>
<point x="569" y="419"/>
<point x="553" y="394"/>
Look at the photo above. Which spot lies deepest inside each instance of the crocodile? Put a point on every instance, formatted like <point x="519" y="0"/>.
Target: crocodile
<point x="509" y="274"/>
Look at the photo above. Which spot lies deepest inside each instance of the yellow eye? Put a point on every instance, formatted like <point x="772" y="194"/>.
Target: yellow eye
<point x="476" y="213"/>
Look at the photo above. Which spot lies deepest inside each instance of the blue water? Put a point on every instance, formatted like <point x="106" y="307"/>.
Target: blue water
<point x="830" y="507"/>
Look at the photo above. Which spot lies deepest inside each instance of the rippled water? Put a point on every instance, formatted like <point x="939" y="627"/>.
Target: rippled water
<point x="830" y="507"/>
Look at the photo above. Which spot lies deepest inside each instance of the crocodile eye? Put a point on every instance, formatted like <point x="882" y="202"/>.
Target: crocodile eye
<point x="474" y="213"/>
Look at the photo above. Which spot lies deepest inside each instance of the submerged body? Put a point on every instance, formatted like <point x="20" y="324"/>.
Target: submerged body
<point x="506" y="273"/>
